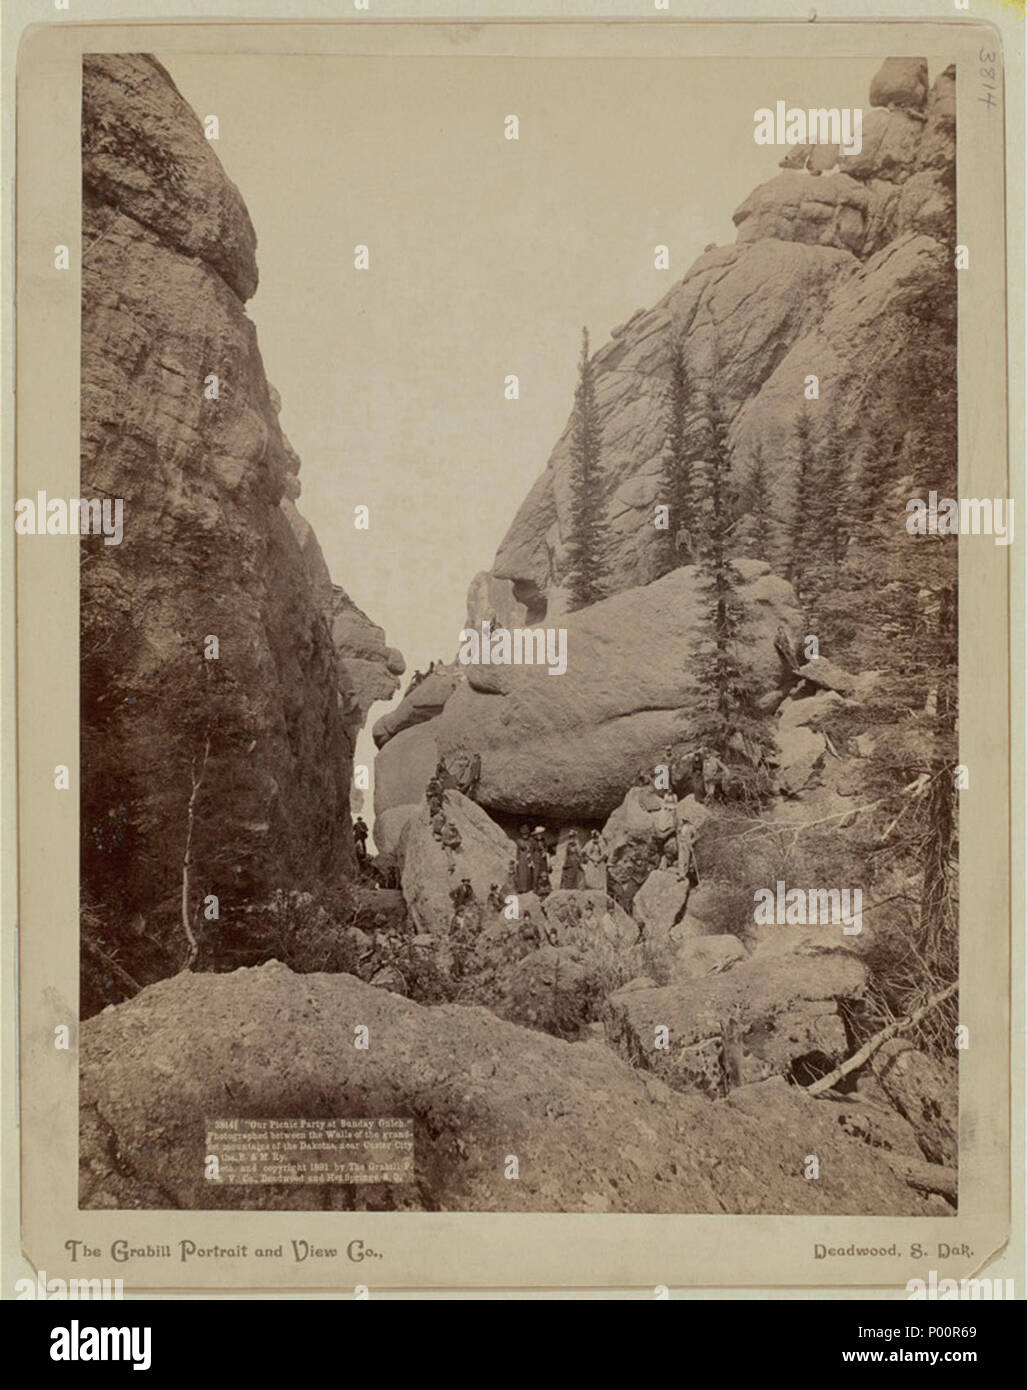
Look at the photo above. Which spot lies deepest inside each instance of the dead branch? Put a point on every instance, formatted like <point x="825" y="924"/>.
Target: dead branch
<point x="109" y="963"/>
<point x="878" y="1040"/>
<point x="197" y="782"/>
<point x="925" y="1177"/>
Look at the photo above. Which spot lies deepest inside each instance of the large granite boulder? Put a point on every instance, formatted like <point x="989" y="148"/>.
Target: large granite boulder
<point x="483" y="856"/>
<point x="589" y="1132"/>
<point x="569" y="746"/>
<point x="782" y="1009"/>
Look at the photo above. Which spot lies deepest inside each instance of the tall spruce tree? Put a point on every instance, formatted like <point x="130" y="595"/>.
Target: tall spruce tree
<point x="728" y="721"/>
<point x="759" y="531"/>
<point x="584" y="544"/>
<point x="801" y="537"/>
<point x="677" y="488"/>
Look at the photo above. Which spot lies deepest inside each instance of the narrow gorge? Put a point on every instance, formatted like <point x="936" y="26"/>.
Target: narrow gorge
<point x="643" y="1044"/>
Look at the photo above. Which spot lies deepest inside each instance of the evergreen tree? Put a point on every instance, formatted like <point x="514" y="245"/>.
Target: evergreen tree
<point x="728" y="720"/>
<point x="759" y="532"/>
<point x="677" y="488"/>
<point x="584" y="545"/>
<point x="800" y="537"/>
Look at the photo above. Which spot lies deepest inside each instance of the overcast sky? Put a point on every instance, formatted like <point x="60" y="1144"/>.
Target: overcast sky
<point x="487" y="257"/>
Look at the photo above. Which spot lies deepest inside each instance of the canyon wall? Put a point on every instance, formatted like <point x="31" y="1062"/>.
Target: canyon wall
<point x="247" y="757"/>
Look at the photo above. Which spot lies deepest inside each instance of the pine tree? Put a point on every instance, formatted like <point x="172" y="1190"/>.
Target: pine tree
<point x="677" y="488"/>
<point x="584" y="545"/>
<point x="728" y="720"/>
<point x="800" y="556"/>
<point x="760" y="531"/>
<point x="830" y="512"/>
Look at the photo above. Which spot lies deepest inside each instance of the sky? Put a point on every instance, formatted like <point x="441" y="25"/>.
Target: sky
<point x="487" y="257"/>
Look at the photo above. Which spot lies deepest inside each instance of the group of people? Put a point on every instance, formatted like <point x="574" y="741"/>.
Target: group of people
<point x="441" y="781"/>
<point x="419" y="676"/>
<point x="584" y="865"/>
<point x="464" y="779"/>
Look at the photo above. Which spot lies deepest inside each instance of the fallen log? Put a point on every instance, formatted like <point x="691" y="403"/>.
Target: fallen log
<point x="858" y="1059"/>
<point x="925" y="1177"/>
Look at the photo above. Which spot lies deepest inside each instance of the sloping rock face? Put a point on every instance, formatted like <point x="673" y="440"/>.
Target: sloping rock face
<point x="782" y="1006"/>
<point x="568" y="746"/>
<point x="822" y="262"/>
<point x="483" y="856"/>
<point x="213" y="547"/>
<point x="424" y="702"/>
<point x="590" y="1133"/>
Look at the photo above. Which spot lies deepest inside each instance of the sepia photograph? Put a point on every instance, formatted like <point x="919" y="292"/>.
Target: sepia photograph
<point x="519" y="721"/>
<point x="513" y="731"/>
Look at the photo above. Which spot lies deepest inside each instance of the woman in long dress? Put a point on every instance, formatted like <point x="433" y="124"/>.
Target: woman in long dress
<point x="594" y="858"/>
<point x="571" y="875"/>
<point x="524" y="875"/>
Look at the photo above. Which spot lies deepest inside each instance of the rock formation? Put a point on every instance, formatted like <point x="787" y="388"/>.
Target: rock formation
<point x="591" y="1133"/>
<point x="179" y="421"/>
<point x="567" y="746"/>
<point x="821" y="263"/>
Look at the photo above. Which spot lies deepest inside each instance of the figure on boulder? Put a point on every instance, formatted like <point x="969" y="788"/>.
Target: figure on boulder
<point x="524" y="872"/>
<point x="595" y="856"/>
<point x="445" y="778"/>
<point x="360" y="833"/>
<point x="495" y="898"/>
<point x="572" y="874"/>
<point x="686" y="866"/>
<point x="462" y="893"/>
<point x="539" y="857"/>
<point x="714" y="775"/>
<point x="683" y="546"/>
<point x="451" y="842"/>
<point x="470" y="776"/>
<point x="663" y="821"/>
<point x="529" y="932"/>
<point x="543" y="885"/>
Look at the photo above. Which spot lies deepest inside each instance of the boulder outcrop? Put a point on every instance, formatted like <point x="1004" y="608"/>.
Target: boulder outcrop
<point x="590" y="1133"/>
<point x="781" y="1008"/>
<point x="569" y="746"/>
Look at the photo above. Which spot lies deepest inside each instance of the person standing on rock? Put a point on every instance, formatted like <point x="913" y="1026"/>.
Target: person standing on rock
<point x="663" y="821"/>
<point x="696" y="785"/>
<point x="594" y="856"/>
<point x="529" y="932"/>
<point x="572" y="875"/>
<point x="713" y="775"/>
<point x="539" y="857"/>
<point x="686" y="869"/>
<point x="445" y="778"/>
<point x="474" y="776"/>
<point x="451" y="842"/>
<point x="470" y="776"/>
<point x="524" y="869"/>
<point x="360" y="833"/>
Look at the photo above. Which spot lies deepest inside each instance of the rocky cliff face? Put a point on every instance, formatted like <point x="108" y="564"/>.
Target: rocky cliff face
<point x="825" y="277"/>
<point x="842" y="269"/>
<point x="213" y="547"/>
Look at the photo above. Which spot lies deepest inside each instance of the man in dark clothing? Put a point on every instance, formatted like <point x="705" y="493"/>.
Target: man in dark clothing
<point x="360" y="833"/>
<point x="462" y="893"/>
